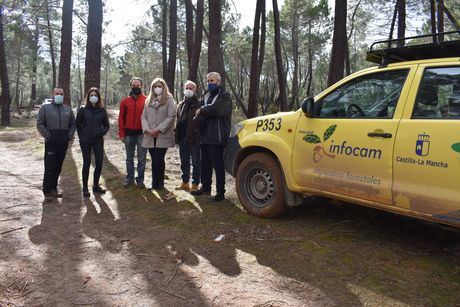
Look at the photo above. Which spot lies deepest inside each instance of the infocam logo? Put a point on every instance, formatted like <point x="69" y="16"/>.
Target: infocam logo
<point x="338" y="149"/>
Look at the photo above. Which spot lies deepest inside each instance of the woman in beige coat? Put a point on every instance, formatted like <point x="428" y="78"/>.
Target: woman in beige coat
<point x="158" y="125"/>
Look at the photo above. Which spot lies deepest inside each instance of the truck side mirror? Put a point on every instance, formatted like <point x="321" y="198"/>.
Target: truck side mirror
<point x="308" y="107"/>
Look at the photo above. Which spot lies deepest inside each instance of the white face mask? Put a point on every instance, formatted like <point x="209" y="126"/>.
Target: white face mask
<point x="93" y="99"/>
<point x="188" y="93"/>
<point x="58" y="99"/>
<point x="158" y="90"/>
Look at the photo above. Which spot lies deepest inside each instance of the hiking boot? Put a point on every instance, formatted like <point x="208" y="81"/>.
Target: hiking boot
<point x="140" y="185"/>
<point x="184" y="186"/>
<point x="48" y="197"/>
<point x="86" y="192"/>
<point x="55" y="193"/>
<point x="98" y="189"/>
<point x="194" y="188"/>
<point x="218" y="197"/>
<point x="127" y="183"/>
<point x="200" y="192"/>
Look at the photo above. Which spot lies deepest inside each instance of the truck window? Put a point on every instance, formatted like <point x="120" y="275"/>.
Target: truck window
<point x="370" y="96"/>
<point x="439" y="94"/>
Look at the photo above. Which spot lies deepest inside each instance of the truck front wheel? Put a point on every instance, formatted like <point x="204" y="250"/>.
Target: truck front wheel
<point x="260" y="186"/>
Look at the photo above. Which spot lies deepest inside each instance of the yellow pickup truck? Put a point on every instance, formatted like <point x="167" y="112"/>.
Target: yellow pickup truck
<point x="386" y="137"/>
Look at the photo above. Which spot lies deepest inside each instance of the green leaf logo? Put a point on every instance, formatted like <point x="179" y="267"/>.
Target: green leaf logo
<point x="328" y="133"/>
<point x="312" y="138"/>
<point x="456" y="147"/>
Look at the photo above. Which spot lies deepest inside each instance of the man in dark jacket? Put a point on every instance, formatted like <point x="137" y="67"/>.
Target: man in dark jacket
<point x="130" y="131"/>
<point x="187" y="136"/>
<point x="217" y="115"/>
<point x="56" y="123"/>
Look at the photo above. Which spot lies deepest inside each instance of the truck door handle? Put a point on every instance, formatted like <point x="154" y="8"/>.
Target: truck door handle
<point x="384" y="135"/>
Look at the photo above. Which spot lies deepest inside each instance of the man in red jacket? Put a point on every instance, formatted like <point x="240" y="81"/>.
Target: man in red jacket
<point x="130" y="132"/>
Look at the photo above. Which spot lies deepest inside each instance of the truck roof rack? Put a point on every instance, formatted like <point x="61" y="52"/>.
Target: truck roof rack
<point x="386" y="51"/>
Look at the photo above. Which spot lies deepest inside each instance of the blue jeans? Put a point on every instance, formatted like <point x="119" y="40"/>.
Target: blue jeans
<point x="186" y="151"/>
<point x="131" y="143"/>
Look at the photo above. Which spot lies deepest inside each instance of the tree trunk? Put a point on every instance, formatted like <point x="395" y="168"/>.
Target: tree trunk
<point x="339" y="42"/>
<point x="51" y="44"/>
<point x="164" y="37"/>
<point x="263" y="31"/>
<point x="93" y="45"/>
<point x="401" y="21"/>
<point x="433" y="20"/>
<point x="80" y="83"/>
<point x="295" y="57"/>
<point x="5" y="98"/>
<point x="196" y="50"/>
<point x="18" y="76"/>
<point x="282" y="98"/>
<point x="254" y="79"/>
<point x="170" y="76"/>
<point x="440" y="19"/>
<point x="33" y="91"/>
<point x="393" y="22"/>
<point x="66" y="49"/>
<point x="189" y="34"/>
<point x="215" y="56"/>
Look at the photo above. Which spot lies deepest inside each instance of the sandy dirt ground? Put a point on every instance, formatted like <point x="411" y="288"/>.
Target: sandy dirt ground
<point x="131" y="247"/>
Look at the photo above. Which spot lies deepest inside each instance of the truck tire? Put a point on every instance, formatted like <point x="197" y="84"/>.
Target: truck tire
<point x="260" y="186"/>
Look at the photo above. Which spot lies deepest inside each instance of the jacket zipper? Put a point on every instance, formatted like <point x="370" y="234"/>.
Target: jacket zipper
<point x="218" y="129"/>
<point x="59" y="111"/>
<point x="135" y="107"/>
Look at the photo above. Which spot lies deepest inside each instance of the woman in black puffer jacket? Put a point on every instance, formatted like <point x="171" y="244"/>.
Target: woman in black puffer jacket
<point x="92" y="124"/>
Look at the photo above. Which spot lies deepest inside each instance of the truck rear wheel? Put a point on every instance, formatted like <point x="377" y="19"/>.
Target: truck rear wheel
<point x="260" y="186"/>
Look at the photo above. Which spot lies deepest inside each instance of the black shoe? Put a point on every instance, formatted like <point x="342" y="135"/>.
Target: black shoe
<point x="218" y="197"/>
<point x="86" y="192"/>
<point x="48" y="197"/>
<point x="127" y="183"/>
<point x="140" y="185"/>
<point x="98" y="189"/>
<point x="200" y="192"/>
<point x="55" y="193"/>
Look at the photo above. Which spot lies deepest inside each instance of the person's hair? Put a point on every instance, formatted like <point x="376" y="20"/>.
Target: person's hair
<point x="214" y="73"/>
<point x="193" y="84"/>
<point x="136" y="78"/>
<point x="164" y="95"/>
<point x="100" y="103"/>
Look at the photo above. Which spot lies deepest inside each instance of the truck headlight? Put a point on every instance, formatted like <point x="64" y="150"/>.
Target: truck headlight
<point x="235" y="129"/>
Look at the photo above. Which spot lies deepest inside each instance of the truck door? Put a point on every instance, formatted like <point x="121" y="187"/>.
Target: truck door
<point x="348" y="148"/>
<point x="427" y="152"/>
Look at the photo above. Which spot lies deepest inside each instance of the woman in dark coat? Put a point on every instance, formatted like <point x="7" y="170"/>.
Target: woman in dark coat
<point x="92" y="124"/>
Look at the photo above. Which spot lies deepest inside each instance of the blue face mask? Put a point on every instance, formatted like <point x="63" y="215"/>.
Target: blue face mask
<point x="58" y="99"/>
<point x="212" y="86"/>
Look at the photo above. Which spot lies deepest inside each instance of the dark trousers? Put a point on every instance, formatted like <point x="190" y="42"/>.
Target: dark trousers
<point x="158" y="167"/>
<point x="98" y="149"/>
<point x="186" y="151"/>
<point x="54" y="158"/>
<point x="212" y="157"/>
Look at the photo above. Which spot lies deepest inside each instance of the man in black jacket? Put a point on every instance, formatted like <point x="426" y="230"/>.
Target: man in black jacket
<point x="216" y="114"/>
<point x="56" y="123"/>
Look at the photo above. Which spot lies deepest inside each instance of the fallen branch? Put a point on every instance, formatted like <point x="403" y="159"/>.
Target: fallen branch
<point x="315" y="244"/>
<point x="207" y="252"/>
<point x="8" y="231"/>
<point x="175" y="271"/>
<point x="15" y="206"/>
<point x="173" y="294"/>
<point x="11" y="219"/>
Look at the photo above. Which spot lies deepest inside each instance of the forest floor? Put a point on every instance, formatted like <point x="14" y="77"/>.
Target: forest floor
<point x="131" y="247"/>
